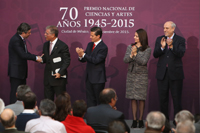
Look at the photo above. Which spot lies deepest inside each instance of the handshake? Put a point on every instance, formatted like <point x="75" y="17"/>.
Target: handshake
<point x="39" y="58"/>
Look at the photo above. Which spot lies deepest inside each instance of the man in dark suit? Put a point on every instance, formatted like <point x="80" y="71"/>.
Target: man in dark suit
<point x="8" y="119"/>
<point x="57" y="59"/>
<point x="18" y="56"/>
<point x="95" y="56"/>
<point x="99" y="117"/>
<point x="170" y="49"/>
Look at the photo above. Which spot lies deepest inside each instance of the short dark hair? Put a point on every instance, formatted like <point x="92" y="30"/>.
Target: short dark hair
<point x="53" y="30"/>
<point x="105" y="98"/>
<point x="97" y="30"/>
<point x="47" y="107"/>
<point x="79" y="108"/>
<point x="23" y="27"/>
<point x="29" y="100"/>
<point x="116" y="127"/>
<point x="63" y="106"/>
<point x="10" y="122"/>
<point x="21" y="90"/>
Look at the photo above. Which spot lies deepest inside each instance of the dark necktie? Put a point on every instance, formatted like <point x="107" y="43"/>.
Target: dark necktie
<point x="25" y="45"/>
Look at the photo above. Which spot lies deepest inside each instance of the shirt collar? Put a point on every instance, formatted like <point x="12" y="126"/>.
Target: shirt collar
<point x="54" y="41"/>
<point x="21" y="37"/>
<point x="171" y="36"/>
<point x="96" y="43"/>
<point x="31" y="111"/>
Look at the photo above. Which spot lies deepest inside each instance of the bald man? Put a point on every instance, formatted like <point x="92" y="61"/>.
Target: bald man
<point x="169" y="49"/>
<point x="8" y="119"/>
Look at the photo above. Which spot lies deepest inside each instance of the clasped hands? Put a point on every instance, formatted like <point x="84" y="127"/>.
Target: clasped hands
<point x="168" y="41"/>
<point x="80" y="52"/>
<point x="39" y="58"/>
<point x="133" y="51"/>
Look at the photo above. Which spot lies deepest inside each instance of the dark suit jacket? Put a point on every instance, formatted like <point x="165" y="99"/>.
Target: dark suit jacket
<point x="95" y="69"/>
<point x="99" y="117"/>
<point x="12" y="131"/>
<point x="172" y="57"/>
<point x="60" y="50"/>
<point x="17" y="65"/>
<point x="23" y="118"/>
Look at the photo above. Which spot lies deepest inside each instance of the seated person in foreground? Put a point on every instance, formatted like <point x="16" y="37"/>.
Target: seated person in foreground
<point x="98" y="117"/>
<point x="155" y="122"/>
<point x="29" y="102"/>
<point x="45" y="123"/>
<point x="116" y="127"/>
<point x="75" y="123"/>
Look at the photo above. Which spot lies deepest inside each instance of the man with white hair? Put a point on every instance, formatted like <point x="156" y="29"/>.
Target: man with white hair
<point x="185" y="127"/>
<point x="2" y="106"/>
<point x="155" y="122"/>
<point x="169" y="48"/>
<point x="183" y="116"/>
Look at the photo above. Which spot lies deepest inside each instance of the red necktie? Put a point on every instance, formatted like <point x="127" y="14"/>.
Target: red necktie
<point x="50" y="48"/>
<point x="93" y="46"/>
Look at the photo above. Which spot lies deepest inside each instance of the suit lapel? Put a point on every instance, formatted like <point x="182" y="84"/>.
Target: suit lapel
<point x="55" y="47"/>
<point x="96" y="48"/>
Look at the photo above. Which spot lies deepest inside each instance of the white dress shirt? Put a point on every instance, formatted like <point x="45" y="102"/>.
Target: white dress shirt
<point x="45" y="124"/>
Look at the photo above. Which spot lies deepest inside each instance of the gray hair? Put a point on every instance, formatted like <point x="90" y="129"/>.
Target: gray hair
<point x="156" y="120"/>
<point x="173" y="25"/>
<point x="184" y="115"/>
<point x="2" y="105"/>
<point x="21" y="91"/>
<point x="185" y="127"/>
<point x="47" y="107"/>
<point x="53" y="29"/>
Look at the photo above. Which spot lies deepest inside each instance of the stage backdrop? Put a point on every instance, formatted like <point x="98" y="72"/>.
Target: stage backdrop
<point x="119" y="20"/>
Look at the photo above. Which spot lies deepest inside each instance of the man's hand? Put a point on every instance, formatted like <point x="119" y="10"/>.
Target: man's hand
<point x="163" y="42"/>
<point x="169" y="43"/>
<point x="79" y="51"/>
<point x="39" y="59"/>
<point x="57" y="75"/>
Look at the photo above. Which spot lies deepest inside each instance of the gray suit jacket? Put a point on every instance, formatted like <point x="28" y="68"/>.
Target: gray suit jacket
<point x="137" y="64"/>
<point x="17" y="107"/>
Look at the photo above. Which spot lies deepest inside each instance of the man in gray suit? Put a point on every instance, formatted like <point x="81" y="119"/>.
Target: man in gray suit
<point x="18" y="107"/>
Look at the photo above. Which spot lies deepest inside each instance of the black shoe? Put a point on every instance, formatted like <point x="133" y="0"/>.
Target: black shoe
<point x="141" y="124"/>
<point x="134" y="124"/>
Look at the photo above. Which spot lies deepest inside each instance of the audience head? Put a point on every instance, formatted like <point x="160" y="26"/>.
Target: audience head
<point x="184" y="115"/>
<point x="79" y="108"/>
<point x="47" y="107"/>
<point x="63" y="106"/>
<point x="185" y="127"/>
<point x="156" y="120"/>
<point x="116" y="127"/>
<point x="29" y="100"/>
<point x="2" y="105"/>
<point x="21" y="91"/>
<point x="108" y="96"/>
<point x="8" y="118"/>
